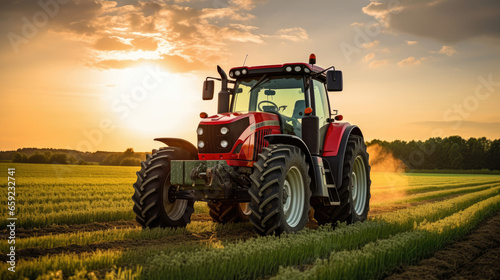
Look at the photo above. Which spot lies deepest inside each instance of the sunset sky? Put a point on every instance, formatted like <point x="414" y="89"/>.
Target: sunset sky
<point x="108" y="75"/>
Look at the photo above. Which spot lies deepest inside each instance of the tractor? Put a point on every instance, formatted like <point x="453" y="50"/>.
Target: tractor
<point x="274" y="151"/>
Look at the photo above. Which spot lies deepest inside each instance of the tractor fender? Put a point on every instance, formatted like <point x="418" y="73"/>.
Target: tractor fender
<point x="180" y="143"/>
<point x="336" y="162"/>
<point x="295" y="141"/>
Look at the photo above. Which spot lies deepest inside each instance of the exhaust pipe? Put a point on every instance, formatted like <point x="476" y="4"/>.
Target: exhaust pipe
<point x="223" y="102"/>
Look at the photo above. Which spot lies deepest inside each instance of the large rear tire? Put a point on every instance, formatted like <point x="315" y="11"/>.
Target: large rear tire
<point x="153" y="202"/>
<point x="280" y="190"/>
<point x="224" y="213"/>
<point x="355" y="189"/>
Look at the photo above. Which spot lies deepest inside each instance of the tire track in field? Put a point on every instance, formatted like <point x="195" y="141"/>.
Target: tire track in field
<point x="59" y="229"/>
<point x="169" y="242"/>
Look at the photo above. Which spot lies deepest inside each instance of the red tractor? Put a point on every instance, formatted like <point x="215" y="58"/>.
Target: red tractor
<point x="271" y="153"/>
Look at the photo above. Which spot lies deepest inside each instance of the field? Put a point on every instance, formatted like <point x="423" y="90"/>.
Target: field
<point x="77" y="222"/>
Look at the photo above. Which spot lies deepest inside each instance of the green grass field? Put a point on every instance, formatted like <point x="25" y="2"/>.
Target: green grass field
<point x="77" y="222"/>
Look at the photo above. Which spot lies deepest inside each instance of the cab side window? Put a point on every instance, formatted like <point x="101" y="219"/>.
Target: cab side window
<point x="322" y="108"/>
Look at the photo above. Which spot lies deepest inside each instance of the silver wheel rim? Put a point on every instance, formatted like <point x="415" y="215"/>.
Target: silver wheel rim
<point x="245" y="208"/>
<point x="359" y="185"/>
<point x="174" y="210"/>
<point x="293" y="197"/>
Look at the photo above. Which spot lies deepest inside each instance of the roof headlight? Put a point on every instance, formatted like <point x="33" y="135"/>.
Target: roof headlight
<point x="224" y="130"/>
<point x="307" y="70"/>
<point x="231" y="74"/>
<point x="288" y="69"/>
<point x="244" y="71"/>
<point x="201" y="144"/>
<point x="200" y="131"/>
<point x="224" y="144"/>
<point x="298" y="68"/>
<point x="237" y="73"/>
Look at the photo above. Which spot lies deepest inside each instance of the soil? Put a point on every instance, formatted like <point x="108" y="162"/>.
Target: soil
<point x="241" y="233"/>
<point x="477" y="256"/>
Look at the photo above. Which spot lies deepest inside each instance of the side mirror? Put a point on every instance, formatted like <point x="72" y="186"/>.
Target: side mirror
<point x="208" y="90"/>
<point x="334" y="80"/>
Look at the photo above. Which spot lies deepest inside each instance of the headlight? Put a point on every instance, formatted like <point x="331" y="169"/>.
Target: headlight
<point x="288" y="69"/>
<point x="224" y="144"/>
<point x="200" y="131"/>
<point x="237" y="72"/>
<point x="307" y="70"/>
<point x="201" y="144"/>
<point x="224" y="130"/>
<point x="298" y="68"/>
<point x="231" y="74"/>
<point x="244" y="71"/>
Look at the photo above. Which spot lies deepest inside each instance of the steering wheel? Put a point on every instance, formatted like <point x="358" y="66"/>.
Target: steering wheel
<point x="267" y="101"/>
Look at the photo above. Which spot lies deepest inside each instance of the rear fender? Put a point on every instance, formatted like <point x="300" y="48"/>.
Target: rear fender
<point x="295" y="141"/>
<point x="336" y="158"/>
<point x="180" y="143"/>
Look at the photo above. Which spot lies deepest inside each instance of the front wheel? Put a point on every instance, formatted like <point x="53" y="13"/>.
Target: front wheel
<point x="154" y="201"/>
<point x="280" y="190"/>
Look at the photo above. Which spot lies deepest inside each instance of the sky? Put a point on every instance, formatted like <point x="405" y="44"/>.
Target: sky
<point x="108" y="75"/>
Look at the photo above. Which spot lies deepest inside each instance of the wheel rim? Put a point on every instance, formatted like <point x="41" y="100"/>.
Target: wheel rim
<point x="359" y="185"/>
<point x="176" y="209"/>
<point x="245" y="208"/>
<point x="293" y="197"/>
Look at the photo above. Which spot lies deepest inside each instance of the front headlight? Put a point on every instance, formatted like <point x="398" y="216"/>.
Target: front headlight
<point x="201" y="144"/>
<point x="224" y="144"/>
<point x="224" y="130"/>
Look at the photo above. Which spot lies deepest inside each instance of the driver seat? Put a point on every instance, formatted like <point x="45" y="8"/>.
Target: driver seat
<point x="298" y="110"/>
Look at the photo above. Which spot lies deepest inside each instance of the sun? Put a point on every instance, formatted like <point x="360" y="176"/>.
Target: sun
<point x="152" y="101"/>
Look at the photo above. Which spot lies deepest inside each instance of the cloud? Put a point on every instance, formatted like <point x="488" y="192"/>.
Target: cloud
<point x="410" y="61"/>
<point x="371" y="44"/>
<point x="111" y="44"/>
<point x="368" y="57"/>
<point x="411" y="43"/>
<point x="447" y="50"/>
<point x="295" y="34"/>
<point x="377" y="63"/>
<point x="118" y="34"/>
<point x="447" y="21"/>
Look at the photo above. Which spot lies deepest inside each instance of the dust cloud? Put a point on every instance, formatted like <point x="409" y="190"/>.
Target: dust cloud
<point x="389" y="180"/>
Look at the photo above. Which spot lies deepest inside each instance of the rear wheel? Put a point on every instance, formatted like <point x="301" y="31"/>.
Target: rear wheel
<point x="154" y="201"/>
<point x="229" y="212"/>
<point x="280" y="190"/>
<point x="355" y="189"/>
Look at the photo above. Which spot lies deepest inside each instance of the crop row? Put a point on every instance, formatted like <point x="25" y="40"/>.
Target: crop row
<point x="374" y="258"/>
<point x="265" y="254"/>
<point x="433" y="187"/>
<point x="434" y="194"/>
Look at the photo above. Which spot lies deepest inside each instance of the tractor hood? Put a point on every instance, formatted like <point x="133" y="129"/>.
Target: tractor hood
<point x="235" y="136"/>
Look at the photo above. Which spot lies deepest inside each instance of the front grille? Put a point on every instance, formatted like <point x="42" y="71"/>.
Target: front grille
<point x="212" y="136"/>
<point x="260" y="142"/>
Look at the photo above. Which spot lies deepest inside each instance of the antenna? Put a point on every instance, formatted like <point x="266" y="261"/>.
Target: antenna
<point x="244" y="62"/>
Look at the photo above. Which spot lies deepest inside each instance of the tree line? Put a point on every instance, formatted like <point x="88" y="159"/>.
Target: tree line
<point x="127" y="158"/>
<point x="452" y="152"/>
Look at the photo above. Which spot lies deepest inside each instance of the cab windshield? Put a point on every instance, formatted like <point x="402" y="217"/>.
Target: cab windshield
<point x="283" y="95"/>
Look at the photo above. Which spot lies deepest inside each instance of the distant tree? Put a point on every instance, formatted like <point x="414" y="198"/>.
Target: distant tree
<point x="59" y="158"/>
<point x="20" y="157"/>
<point x="37" y="157"/>
<point x="128" y="152"/>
